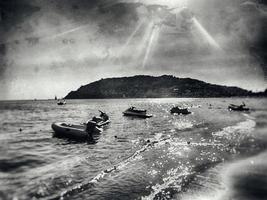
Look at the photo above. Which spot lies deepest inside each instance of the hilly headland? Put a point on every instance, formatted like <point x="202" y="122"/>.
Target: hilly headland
<point x="166" y="86"/>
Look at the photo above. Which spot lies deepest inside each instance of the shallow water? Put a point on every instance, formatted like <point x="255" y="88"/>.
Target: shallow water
<point x="149" y="159"/>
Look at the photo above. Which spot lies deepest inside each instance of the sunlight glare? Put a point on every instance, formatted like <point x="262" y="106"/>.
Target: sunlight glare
<point x="152" y="40"/>
<point x="206" y="35"/>
<point x="128" y="41"/>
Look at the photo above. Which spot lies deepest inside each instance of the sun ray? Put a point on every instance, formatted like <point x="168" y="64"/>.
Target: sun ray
<point x="143" y="42"/>
<point x="206" y="35"/>
<point x="68" y="31"/>
<point x="153" y="37"/>
<point x="128" y="41"/>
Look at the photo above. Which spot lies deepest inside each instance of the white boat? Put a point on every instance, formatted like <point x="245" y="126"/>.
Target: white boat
<point x="132" y="111"/>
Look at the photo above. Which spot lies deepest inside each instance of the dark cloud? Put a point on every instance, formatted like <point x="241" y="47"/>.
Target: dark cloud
<point x="2" y="49"/>
<point x="256" y="26"/>
<point x="32" y="40"/>
<point x="13" y="12"/>
<point x="253" y="31"/>
<point x="238" y="25"/>
<point x="2" y="59"/>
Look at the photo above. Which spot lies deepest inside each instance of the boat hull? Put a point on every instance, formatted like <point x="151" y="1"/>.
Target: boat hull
<point x="60" y="104"/>
<point x="180" y="111"/>
<point x="72" y="131"/>
<point x="231" y="108"/>
<point x="134" y="114"/>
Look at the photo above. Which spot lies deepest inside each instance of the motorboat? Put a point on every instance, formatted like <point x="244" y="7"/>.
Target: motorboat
<point x="71" y="131"/>
<point x="61" y="102"/>
<point x="242" y="107"/>
<point x="178" y="110"/>
<point x="75" y="131"/>
<point x="132" y="111"/>
<point x="79" y="131"/>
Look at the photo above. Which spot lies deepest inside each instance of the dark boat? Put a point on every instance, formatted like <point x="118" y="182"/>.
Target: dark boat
<point x="71" y="131"/>
<point x="233" y="107"/>
<point x="177" y="110"/>
<point x="61" y="102"/>
<point x="76" y="131"/>
<point x="132" y="111"/>
<point x="81" y="132"/>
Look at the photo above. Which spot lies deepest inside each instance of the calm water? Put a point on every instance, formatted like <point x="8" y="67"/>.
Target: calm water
<point x="226" y="158"/>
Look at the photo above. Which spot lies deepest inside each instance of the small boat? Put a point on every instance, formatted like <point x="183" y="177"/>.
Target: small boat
<point x="61" y="102"/>
<point x="76" y="131"/>
<point x="177" y="110"/>
<point x="132" y="111"/>
<point x="81" y="132"/>
<point x="71" y="131"/>
<point x="233" y="107"/>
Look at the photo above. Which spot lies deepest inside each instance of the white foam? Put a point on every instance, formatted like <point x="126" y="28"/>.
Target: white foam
<point x="174" y="180"/>
<point x="212" y="190"/>
<point x="226" y="173"/>
<point x="181" y="125"/>
<point x="225" y="176"/>
<point x="242" y="128"/>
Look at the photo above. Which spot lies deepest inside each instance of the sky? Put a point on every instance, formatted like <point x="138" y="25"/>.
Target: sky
<point x="51" y="47"/>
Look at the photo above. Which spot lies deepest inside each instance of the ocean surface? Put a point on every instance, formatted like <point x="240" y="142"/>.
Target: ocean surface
<point x="211" y="154"/>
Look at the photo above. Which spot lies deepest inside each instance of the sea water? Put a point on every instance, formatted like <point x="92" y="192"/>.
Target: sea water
<point x="210" y="154"/>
